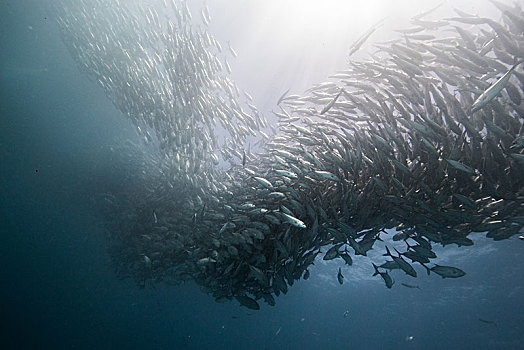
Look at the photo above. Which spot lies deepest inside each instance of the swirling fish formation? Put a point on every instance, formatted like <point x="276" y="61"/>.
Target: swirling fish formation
<point x="422" y="142"/>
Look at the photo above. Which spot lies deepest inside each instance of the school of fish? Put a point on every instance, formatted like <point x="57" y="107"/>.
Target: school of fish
<point x="422" y="143"/>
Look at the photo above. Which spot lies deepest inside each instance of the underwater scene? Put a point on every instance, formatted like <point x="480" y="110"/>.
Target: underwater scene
<point x="219" y="174"/>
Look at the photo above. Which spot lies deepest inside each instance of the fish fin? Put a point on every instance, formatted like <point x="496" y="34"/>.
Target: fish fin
<point x="388" y="252"/>
<point x="376" y="269"/>
<point x="427" y="268"/>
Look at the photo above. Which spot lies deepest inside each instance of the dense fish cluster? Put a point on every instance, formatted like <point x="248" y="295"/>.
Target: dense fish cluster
<point x="168" y="75"/>
<point x="422" y="143"/>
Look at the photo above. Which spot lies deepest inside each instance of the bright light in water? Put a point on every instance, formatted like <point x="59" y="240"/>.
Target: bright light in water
<point x="296" y="43"/>
<point x="328" y="15"/>
<point x="293" y="43"/>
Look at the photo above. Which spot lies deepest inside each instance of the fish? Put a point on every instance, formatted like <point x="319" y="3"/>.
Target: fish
<point x="390" y="265"/>
<point x="337" y="235"/>
<point x="355" y="46"/>
<point x="231" y="50"/>
<point x="385" y="276"/>
<point x="332" y="253"/>
<point x="292" y="220"/>
<point x="259" y="275"/>
<point x="263" y="182"/>
<point x="410" y="286"/>
<point x="147" y="262"/>
<point x="487" y="321"/>
<point x="422" y="250"/>
<point x="446" y="271"/>
<point x="340" y="278"/>
<point x="286" y="173"/>
<point x="492" y="92"/>
<point x="327" y="175"/>
<point x="331" y="103"/>
<point x="427" y="12"/>
<point x="268" y="298"/>
<point x="282" y="97"/>
<point x="248" y="302"/>
<point x="347" y="258"/>
<point x="406" y="267"/>
<point x="461" y="167"/>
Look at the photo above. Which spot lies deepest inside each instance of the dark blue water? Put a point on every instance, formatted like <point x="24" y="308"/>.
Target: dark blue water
<point x="58" y="288"/>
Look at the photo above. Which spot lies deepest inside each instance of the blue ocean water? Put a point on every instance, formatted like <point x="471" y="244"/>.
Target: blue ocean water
<point x="58" y="133"/>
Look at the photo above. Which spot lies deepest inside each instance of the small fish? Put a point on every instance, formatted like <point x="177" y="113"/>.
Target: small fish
<point x="385" y="276"/>
<point x="347" y="258"/>
<point x="332" y="253"/>
<point x="292" y="220"/>
<point x="339" y="276"/>
<point x="403" y="264"/>
<point x="233" y="52"/>
<point x="281" y="98"/>
<point x="425" y="13"/>
<point x="362" y="39"/>
<point x="147" y="262"/>
<point x="487" y="321"/>
<point x="286" y="173"/>
<point x="327" y="175"/>
<point x="410" y="286"/>
<point x="259" y="275"/>
<point x="331" y="103"/>
<point x="493" y="90"/>
<point x="461" y="167"/>
<point x="337" y="235"/>
<point x="390" y="265"/>
<point x="268" y="298"/>
<point x="263" y="182"/>
<point x="194" y="219"/>
<point x="248" y="302"/>
<point x="446" y="271"/>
